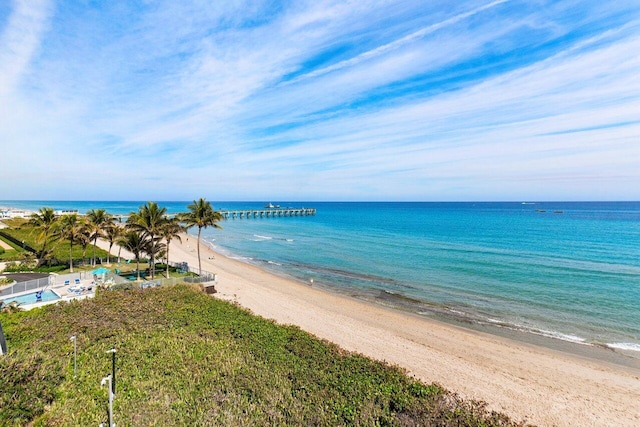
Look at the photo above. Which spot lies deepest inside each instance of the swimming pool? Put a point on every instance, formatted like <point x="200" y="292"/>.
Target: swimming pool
<point x="47" y="295"/>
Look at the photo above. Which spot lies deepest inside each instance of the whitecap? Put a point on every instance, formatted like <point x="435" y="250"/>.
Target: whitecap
<point x="625" y="346"/>
<point x="559" y="335"/>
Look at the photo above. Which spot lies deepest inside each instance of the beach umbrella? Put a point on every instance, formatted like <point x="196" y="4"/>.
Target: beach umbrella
<point x="101" y="270"/>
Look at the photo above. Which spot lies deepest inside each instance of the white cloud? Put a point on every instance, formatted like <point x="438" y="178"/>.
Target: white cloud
<point x="351" y="99"/>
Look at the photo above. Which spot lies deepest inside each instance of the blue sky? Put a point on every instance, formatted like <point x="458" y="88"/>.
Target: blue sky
<point x="320" y="100"/>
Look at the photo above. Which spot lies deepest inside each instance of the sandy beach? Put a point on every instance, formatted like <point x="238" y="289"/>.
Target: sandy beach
<point x="528" y="382"/>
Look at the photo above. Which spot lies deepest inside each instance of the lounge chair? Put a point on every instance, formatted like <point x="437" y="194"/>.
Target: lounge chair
<point x="77" y="281"/>
<point x="67" y="283"/>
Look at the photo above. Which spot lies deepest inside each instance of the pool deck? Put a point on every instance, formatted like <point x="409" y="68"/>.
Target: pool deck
<point x="63" y="291"/>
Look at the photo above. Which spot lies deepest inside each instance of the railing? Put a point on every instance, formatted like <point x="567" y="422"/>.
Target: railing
<point x="267" y="213"/>
<point x="25" y="286"/>
<point x="61" y="279"/>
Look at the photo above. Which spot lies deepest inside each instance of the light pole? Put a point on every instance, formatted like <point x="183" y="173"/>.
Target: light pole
<point x="107" y="381"/>
<point x="3" y="342"/>
<point x="113" y="369"/>
<point x="75" y="355"/>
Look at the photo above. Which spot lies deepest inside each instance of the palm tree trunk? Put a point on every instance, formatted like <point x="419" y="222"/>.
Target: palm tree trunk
<point x="93" y="260"/>
<point x="70" y="256"/>
<point x="109" y="254"/>
<point x="168" y="242"/>
<point x="199" y="262"/>
<point x="152" y="259"/>
<point x="138" y="266"/>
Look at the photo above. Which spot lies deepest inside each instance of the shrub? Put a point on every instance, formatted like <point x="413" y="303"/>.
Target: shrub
<point x="185" y="358"/>
<point x="5" y="281"/>
<point x="14" y="267"/>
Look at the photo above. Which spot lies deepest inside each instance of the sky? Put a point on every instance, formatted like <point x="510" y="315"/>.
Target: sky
<point x="320" y="100"/>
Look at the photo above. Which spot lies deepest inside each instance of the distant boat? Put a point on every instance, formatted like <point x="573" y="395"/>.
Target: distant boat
<point x="558" y="211"/>
<point x="540" y="210"/>
<point x="528" y="203"/>
<point x="271" y="206"/>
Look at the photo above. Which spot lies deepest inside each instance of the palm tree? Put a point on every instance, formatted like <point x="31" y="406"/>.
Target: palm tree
<point x="134" y="242"/>
<point x="149" y="220"/>
<point x="98" y="220"/>
<point x="154" y="248"/>
<point x="112" y="233"/>
<point x="201" y="215"/>
<point x="171" y="230"/>
<point x="84" y="237"/>
<point x="69" y="227"/>
<point x="45" y="220"/>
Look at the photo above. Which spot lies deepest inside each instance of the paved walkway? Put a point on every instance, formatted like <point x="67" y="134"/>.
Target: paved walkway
<point x="5" y="245"/>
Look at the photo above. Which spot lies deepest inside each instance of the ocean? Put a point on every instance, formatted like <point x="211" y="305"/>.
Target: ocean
<point x="563" y="270"/>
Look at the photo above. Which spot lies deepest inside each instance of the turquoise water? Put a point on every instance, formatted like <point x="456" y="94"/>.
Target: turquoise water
<point x="572" y="275"/>
<point x="47" y="295"/>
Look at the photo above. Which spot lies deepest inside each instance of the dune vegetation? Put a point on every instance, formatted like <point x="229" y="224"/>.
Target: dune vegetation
<point x="185" y="358"/>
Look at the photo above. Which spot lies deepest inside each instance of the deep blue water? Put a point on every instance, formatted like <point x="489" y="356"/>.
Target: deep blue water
<point x="573" y="275"/>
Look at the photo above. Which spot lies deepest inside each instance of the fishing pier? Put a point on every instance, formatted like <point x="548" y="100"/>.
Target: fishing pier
<point x="268" y="213"/>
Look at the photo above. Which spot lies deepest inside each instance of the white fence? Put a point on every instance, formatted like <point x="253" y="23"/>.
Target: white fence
<point x="25" y="286"/>
<point x="70" y="278"/>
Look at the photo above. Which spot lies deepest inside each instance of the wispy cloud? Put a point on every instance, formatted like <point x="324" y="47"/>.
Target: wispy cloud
<point x="328" y="99"/>
<point x="20" y="40"/>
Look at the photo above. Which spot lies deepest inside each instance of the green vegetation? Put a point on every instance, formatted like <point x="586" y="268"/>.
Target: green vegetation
<point x="15" y="254"/>
<point x="185" y="358"/>
<point x="149" y="222"/>
<point x="48" y="239"/>
<point x="57" y="251"/>
<point x="201" y="215"/>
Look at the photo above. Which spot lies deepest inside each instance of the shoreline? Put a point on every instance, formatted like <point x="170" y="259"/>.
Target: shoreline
<point x="527" y="381"/>
<point x="446" y="315"/>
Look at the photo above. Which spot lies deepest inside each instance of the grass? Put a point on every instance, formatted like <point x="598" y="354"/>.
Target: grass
<point x="10" y="254"/>
<point x="20" y="230"/>
<point x="185" y="358"/>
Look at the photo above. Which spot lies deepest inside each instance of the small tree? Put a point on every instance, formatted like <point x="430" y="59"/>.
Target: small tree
<point x="69" y="228"/>
<point x="112" y="233"/>
<point x="98" y="220"/>
<point x="84" y="236"/>
<point x="135" y="243"/>
<point x="201" y="215"/>
<point x="149" y="220"/>
<point x="171" y="230"/>
<point x="44" y="220"/>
